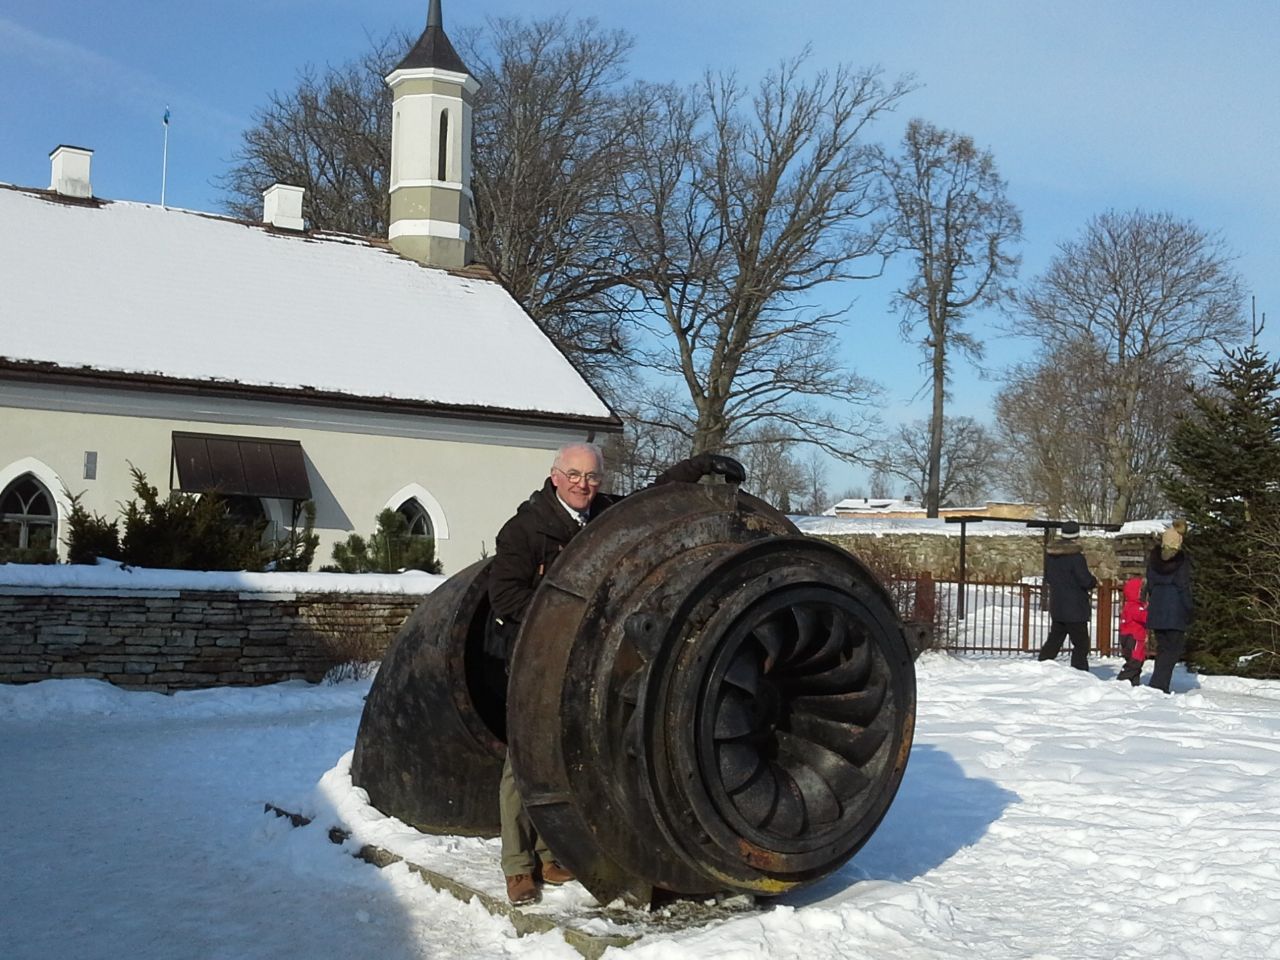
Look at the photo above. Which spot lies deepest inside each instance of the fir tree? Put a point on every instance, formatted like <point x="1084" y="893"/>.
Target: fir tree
<point x="1225" y="459"/>
<point x="89" y="535"/>
<point x="186" y="532"/>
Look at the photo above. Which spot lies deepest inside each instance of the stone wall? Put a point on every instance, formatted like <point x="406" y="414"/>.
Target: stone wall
<point x="992" y="557"/>
<point x="167" y="640"/>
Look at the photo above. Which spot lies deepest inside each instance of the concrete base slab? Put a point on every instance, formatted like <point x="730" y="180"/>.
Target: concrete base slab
<point x="468" y="868"/>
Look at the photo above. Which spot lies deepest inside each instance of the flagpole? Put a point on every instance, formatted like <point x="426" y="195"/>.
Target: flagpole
<point x="164" y="167"/>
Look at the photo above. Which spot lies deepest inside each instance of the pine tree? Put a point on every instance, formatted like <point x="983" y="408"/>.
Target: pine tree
<point x="390" y="549"/>
<point x="1226" y="482"/>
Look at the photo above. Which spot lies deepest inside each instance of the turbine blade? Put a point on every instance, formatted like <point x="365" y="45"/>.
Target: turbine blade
<point x="756" y="800"/>
<point x="857" y="707"/>
<point x="840" y="778"/>
<point x="735" y="714"/>
<point x="856" y="744"/>
<point x="788" y="816"/>
<point x="808" y="630"/>
<point x="850" y="674"/>
<point x="744" y="672"/>
<point x="769" y="636"/>
<point x="824" y="655"/>
<point x="738" y="763"/>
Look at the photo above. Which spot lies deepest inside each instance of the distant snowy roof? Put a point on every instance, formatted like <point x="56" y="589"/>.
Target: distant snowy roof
<point x="874" y="505"/>
<point x="139" y="289"/>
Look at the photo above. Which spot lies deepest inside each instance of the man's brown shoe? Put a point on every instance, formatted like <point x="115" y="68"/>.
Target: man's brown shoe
<point x="521" y="889"/>
<point x="555" y="874"/>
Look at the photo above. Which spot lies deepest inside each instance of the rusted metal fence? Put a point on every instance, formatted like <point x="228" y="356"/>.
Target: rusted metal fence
<point x="997" y="616"/>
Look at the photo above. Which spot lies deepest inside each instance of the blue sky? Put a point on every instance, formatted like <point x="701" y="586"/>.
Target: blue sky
<point x="1159" y="104"/>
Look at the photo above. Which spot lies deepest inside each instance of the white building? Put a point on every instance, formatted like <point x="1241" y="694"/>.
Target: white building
<point x="274" y="363"/>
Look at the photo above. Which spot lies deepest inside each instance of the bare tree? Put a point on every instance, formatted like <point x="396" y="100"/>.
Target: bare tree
<point x="1146" y="293"/>
<point x="850" y="493"/>
<point x="647" y="445"/>
<point x="773" y="473"/>
<point x="816" y="497"/>
<point x="1055" y="424"/>
<point x="952" y="214"/>
<point x="742" y="211"/>
<point x="879" y="485"/>
<point x="331" y="135"/>
<point x="556" y="132"/>
<point x="968" y="461"/>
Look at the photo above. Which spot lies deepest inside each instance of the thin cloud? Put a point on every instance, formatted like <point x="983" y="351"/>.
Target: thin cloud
<point x="134" y="90"/>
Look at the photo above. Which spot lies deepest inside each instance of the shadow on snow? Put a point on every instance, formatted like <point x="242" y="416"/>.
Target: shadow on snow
<point x="938" y="811"/>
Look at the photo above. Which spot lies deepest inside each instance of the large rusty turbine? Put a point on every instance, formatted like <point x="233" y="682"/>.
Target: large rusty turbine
<point x="702" y="700"/>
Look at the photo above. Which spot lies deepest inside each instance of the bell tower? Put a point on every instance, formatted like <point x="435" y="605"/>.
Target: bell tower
<point x="431" y="97"/>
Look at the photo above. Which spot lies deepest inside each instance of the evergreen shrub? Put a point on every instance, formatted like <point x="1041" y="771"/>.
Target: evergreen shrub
<point x="390" y="549"/>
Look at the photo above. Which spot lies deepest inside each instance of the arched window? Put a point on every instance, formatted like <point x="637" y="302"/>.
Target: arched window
<point x="444" y="146"/>
<point x="28" y="517"/>
<point x="418" y="519"/>
<point x="245" y="510"/>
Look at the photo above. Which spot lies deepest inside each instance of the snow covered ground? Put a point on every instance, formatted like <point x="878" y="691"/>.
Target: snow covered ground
<point x="1045" y="814"/>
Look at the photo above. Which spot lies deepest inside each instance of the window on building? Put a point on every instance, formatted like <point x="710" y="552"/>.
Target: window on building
<point x="443" y="162"/>
<point x="28" y="518"/>
<point x="417" y="517"/>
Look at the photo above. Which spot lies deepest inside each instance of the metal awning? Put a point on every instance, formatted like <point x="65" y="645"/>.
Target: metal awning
<point x="246" y="466"/>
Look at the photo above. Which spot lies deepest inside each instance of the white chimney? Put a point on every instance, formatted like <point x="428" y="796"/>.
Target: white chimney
<point x="71" y="171"/>
<point x="282" y="206"/>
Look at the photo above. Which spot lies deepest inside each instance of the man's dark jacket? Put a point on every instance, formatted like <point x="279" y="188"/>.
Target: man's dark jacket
<point x="527" y="545"/>
<point x="531" y="541"/>
<point x="1067" y="574"/>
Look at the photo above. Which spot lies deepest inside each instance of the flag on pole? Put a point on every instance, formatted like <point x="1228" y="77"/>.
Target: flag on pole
<point x="164" y="163"/>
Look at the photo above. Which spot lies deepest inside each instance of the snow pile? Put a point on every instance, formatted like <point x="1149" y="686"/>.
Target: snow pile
<point x="109" y="575"/>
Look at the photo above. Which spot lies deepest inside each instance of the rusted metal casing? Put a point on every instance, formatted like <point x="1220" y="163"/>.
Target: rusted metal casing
<point x="429" y="750"/>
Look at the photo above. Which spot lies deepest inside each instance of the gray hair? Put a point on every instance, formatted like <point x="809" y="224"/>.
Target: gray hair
<point x="591" y="448"/>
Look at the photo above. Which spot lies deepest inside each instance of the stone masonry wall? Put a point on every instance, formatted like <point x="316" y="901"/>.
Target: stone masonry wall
<point x="166" y="640"/>
<point x="988" y="557"/>
<point x="174" y="639"/>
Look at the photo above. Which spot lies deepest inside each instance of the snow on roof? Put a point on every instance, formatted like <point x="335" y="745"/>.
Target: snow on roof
<point x="876" y="505"/>
<point x="141" y="289"/>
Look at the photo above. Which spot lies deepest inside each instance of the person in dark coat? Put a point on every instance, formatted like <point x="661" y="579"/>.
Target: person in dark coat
<point x="527" y="546"/>
<point x="1169" y="605"/>
<point x="1067" y="575"/>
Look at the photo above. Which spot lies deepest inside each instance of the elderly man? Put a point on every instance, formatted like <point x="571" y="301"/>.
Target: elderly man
<point x="527" y="546"/>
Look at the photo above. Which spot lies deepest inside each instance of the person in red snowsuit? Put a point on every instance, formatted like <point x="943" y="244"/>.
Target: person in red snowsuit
<point x="1133" y="631"/>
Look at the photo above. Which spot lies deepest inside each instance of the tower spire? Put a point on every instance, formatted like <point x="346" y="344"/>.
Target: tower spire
<point x="433" y="48"/>
<point x="432" y="92"/>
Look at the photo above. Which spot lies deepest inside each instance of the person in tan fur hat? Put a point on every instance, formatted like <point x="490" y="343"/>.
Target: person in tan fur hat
<point x="1170" y="542"/>
<point x="1169" y="606"/>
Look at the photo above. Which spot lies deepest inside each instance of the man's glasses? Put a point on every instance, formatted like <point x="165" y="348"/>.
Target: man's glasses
<point x="577" y="476"/>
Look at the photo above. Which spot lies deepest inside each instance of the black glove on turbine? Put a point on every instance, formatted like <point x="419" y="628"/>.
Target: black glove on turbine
<point x="703" y="465"/>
